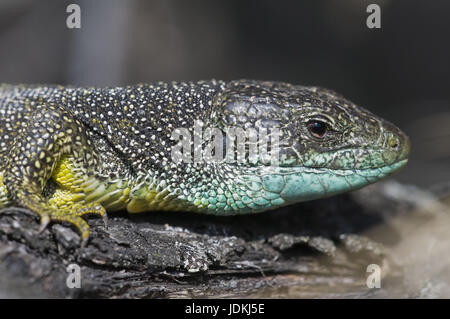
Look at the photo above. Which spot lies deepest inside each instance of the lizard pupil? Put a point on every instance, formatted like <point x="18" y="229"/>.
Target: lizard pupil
<point x="317" y="128"/>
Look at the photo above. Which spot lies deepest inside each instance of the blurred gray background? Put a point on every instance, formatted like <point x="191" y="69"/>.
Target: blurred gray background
<point x="401" y="72"/>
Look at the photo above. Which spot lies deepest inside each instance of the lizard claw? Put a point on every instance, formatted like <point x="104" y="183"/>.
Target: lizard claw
<point x="84" y="242"/>
<point x="105" y="220"/>
<point x="45" y="220"/>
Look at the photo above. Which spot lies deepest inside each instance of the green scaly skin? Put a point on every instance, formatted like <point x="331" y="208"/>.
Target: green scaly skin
<point x="70" y="151"/>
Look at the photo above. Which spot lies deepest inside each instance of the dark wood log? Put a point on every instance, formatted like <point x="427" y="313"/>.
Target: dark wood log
<point x="313" y="249"/>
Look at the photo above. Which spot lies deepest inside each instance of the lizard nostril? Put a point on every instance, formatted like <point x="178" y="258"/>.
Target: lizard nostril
<point x="393" y="142"/>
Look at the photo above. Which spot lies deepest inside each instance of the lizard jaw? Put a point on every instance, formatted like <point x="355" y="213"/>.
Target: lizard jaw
<point x="303" y="184"/>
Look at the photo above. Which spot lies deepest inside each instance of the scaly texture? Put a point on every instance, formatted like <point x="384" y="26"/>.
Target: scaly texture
<point x="67" y="151"/>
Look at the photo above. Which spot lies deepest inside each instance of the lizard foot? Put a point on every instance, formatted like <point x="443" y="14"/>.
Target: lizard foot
<point x="73" y="215"/>
<point x="93" y="209"/>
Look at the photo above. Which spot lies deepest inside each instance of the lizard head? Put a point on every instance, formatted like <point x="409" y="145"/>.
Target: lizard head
<point x="326" y="144"/>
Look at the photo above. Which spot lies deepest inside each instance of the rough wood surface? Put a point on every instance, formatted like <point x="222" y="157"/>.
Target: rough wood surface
<point x="313" y="249"/>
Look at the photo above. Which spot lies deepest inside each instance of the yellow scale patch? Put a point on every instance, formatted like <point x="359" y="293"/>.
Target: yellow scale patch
<point x="75" y="189"/>
<point x="148" y="199"/>
<point x="70" y="192"/>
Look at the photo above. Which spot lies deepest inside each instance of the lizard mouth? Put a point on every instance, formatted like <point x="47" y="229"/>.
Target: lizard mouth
<point x="393" y="167"/>
<point x="397" y="165"/>
<point x="338" y="181"/>
<point x="380" y="171"/>
<point x="364" y="159"/>
<point x="376" y="173"/>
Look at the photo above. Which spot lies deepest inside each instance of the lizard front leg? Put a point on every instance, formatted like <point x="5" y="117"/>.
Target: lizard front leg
<point x="49" y="136"/>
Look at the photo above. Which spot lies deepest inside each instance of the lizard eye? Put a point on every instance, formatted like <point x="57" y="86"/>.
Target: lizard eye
<point x="317" y="128"/>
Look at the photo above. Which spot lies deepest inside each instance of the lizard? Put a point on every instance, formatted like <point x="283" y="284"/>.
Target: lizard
<point x="68" y="151"/>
